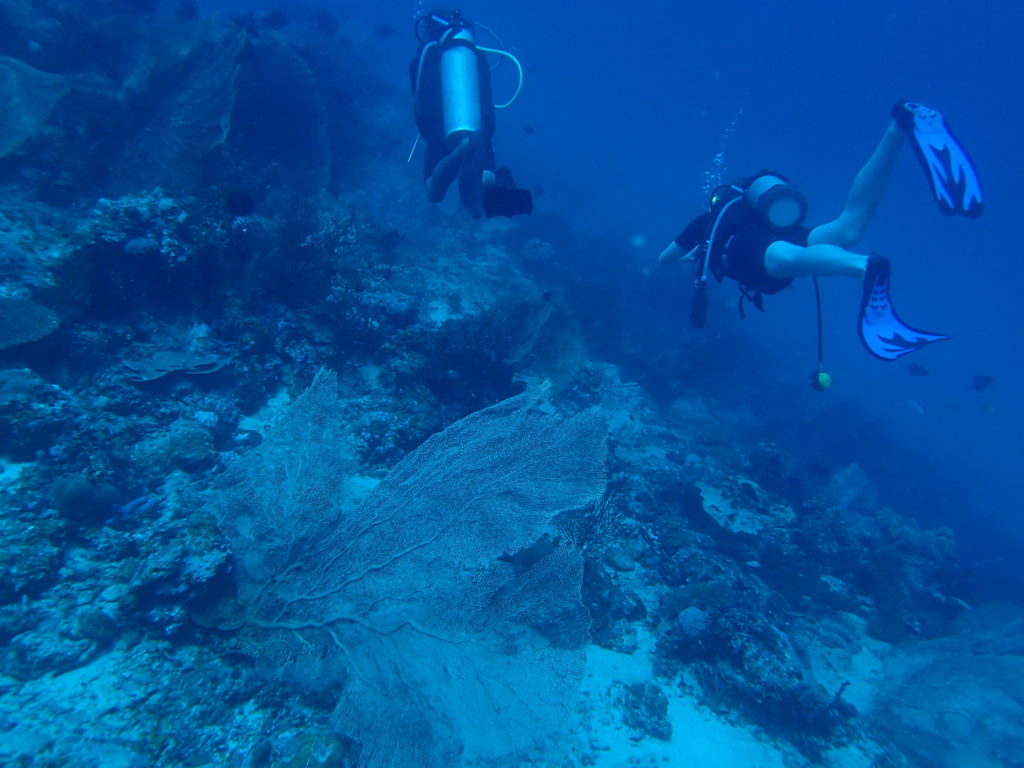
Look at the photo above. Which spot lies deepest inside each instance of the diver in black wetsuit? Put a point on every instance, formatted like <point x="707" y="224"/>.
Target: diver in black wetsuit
<point x="455" y="115"/>
<point x="754" y="233"/>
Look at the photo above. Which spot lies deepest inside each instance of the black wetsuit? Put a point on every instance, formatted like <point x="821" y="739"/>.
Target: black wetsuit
<point x="739" y="247"/>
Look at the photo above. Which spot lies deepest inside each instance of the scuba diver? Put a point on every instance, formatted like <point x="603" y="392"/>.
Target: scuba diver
<point x="754" y="233"/>
<point x="455" y="115"/>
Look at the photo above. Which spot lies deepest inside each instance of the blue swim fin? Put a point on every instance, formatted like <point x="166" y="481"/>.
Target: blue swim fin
<point x="883" y="333"/>
<point x="950" y="171"/>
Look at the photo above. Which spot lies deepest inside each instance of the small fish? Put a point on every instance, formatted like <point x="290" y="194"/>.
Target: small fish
<point x="917" y="370"/>
<point x="916" y="406"/>
<point x="528" y="129"/>
<point x="981" y="383"/>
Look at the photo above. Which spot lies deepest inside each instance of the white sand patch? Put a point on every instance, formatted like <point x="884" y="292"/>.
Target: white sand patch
<point x="845" y="653"/>
<point x="699" y="737"/>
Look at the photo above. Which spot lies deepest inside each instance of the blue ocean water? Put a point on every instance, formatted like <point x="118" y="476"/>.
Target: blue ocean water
<point x="231" y="538"/>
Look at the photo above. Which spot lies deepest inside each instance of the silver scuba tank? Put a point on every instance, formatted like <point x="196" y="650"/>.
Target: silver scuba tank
<point x="778" y="204"/>
<point x="460" y="86"/>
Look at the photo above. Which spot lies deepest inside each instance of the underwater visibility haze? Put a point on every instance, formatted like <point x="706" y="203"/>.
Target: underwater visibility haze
<point x="356" y="410"/>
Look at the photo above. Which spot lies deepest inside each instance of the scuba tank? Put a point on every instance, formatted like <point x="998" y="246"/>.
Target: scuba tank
<point x="778" y="204"/>
<point x="460" y="84"/>
<point x="459" y="66"/>
<point x="459" y="69"/>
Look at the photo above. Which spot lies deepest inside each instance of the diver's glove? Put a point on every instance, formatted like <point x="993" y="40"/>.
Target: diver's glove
<point x="950" y="172"/>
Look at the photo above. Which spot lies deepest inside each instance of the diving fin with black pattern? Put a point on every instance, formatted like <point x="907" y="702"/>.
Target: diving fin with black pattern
<point x="884" y="335"/>
<point x="950" y="172"/>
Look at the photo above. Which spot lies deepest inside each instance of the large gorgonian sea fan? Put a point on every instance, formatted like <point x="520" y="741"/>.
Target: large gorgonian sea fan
<point x="403" y="610"/>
